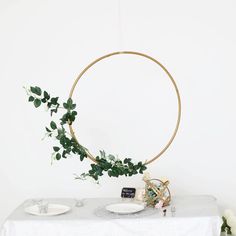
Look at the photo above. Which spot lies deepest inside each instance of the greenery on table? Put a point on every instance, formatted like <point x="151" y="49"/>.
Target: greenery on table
<point x="225" y="227"/>
<point x="68" y="145"/>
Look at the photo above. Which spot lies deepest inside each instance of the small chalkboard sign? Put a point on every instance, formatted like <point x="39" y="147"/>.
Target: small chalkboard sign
<point x="128" y="192"/>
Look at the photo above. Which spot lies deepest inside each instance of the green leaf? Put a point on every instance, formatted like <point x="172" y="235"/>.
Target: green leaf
<point x="54" y="100"/>
<point x="65" y="142"/>
<point x="64" y="154"/>
<point x="31" y="99"/>
<point x="143" y="168"/>
<point x="82" y="156"/>
<point x="49" y="104"/>
<point x="74" y="113"/>
<point x="56" y="149"/>
<point x="58" y="156"/>
<point x="32" y="89"/>
<point x="53" y="111"/>
<point x="111" y="157"/>
<point x="48" y="130"/>
<point x="61" y="133"/>
<point x="127" y="160"/>
<point x="53" y="125"/>
<point x="46" y="95"/>
<point x="37" y="102"/>
<point x="44" y="100"/>
<point x="95" y="176"/>
<point x="65" y="105"/>
<point x="103" y="154"/>
<point x="36" y="90"/>
<point x="69" y="101"/>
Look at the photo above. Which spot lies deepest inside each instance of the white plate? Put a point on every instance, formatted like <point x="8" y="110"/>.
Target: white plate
<point x="53" y="210"/>
<point x="125" y="208"/>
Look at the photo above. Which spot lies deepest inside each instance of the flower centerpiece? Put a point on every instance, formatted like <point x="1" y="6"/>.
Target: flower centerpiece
<point x="157" y="193"/>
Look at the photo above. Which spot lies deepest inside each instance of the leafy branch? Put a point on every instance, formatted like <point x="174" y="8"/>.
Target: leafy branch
<point x="68" y="145"/>
<point x="225" y="227"/>
<point x="113" y="166"/>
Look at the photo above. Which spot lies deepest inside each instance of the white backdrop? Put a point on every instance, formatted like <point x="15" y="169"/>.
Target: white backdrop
<point x="47" y="43"/>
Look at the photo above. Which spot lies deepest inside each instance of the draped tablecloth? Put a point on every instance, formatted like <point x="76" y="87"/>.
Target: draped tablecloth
<point x="194" y="216"/>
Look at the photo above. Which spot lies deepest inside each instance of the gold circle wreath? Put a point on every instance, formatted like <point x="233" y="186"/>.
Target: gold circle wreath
<point x="165" y="70"/>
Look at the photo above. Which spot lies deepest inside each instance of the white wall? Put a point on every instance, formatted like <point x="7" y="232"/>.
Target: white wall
<point x="47" y="43"/>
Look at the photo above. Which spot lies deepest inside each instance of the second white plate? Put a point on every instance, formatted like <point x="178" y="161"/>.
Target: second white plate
<point x="125" y="208"/>
<point x="53" y="210"/>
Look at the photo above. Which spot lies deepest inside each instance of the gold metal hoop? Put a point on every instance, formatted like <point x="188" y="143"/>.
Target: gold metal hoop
<point x="170" y="77"/>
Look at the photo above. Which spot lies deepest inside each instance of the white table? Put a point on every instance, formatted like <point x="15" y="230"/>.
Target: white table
<point x="195" y="216"/>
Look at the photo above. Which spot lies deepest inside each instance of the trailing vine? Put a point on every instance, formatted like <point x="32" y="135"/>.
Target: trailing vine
<point x="67" y="144"/>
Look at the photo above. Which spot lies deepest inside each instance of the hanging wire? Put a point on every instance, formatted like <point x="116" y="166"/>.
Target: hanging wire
<point x="120" y="31"/>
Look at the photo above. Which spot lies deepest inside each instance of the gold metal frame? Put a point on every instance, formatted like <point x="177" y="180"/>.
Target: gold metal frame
<point x="159" y="194"/>
<point x="170" y="77"/>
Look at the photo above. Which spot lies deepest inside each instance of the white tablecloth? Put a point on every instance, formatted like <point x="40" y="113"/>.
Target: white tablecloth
<point x="195" y="216"/>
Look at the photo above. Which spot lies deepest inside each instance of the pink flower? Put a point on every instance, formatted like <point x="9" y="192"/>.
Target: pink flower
<point x="159" y="205"/>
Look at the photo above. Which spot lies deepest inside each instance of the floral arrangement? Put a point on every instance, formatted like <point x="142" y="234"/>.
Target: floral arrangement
<point x="157" y="193"/>
<point x="229" y="222"/>
<point x="68" y="145"/>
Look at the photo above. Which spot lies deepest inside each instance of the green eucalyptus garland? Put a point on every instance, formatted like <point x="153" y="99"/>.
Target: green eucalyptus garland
<point x="67" y="145"/>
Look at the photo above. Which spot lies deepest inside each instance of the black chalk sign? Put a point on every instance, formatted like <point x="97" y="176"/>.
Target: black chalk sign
<point x="128" y="192"/>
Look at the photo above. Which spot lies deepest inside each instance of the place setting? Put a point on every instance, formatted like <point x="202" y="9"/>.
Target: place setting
<point x="154" y="198"/>
<point x="42" y="207"/>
